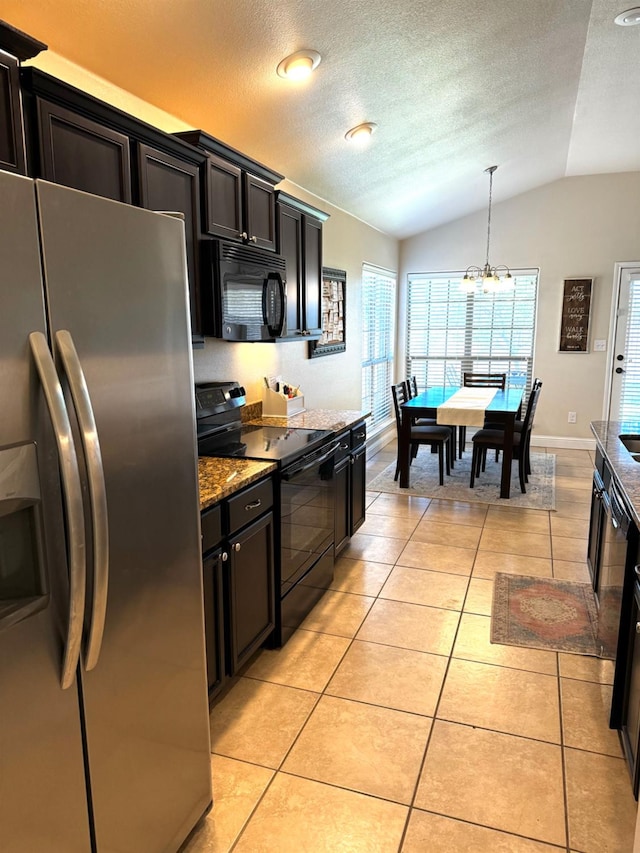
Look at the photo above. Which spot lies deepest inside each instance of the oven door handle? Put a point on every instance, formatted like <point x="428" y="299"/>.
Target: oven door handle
<point x="290" y="472"/>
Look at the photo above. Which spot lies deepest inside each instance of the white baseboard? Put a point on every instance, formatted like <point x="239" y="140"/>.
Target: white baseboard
<point x="564" y="442"/>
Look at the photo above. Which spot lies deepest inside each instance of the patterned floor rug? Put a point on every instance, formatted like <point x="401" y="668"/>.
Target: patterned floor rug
<point x="424" y="481"/>
<point x="544" y="613"/>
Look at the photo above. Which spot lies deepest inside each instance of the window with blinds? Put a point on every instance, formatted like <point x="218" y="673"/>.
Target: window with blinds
<point x="630" y="392"/>
<point x="450" y="331"/>
<point x="378" y="321"/>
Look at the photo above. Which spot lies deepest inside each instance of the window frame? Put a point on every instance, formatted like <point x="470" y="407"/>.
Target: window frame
<point x="378" y="342"/>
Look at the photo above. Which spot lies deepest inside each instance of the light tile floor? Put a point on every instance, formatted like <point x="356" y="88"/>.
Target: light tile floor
<point x="389" y="722"/>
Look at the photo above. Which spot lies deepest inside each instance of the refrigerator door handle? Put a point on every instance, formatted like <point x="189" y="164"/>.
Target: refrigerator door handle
<point x="72" y="493"/>
<point x="97" y="493"/>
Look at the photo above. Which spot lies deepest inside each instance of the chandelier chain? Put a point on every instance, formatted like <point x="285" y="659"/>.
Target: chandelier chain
<point x="490" y="278"/>
<point x="489" y="214"/>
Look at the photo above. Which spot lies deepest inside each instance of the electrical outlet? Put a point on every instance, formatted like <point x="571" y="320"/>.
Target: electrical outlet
<point x="572" y="417"/>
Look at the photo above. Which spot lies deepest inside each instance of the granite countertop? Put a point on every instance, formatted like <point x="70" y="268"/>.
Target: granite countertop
<point x="623" y="466"/>
<point x="333" y="419"/>
<point x="219" y="478"/>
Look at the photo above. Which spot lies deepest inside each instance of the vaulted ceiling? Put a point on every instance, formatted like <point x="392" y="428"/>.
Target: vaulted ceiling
<point x="542" y="88"/>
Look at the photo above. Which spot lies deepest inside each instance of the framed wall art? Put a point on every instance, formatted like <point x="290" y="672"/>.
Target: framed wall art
<point x="576" y="312"/>
<point x="334" y="325"/>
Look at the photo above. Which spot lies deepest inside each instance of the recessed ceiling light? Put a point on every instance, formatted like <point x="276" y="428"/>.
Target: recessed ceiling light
<point x="630" y="18"/>
<point x="361" y="134"/>
<point x="299" y="65"/>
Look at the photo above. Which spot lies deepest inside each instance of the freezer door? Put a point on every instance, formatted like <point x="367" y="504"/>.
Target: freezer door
<point x="115" y="278"/>
<point x="43" y="799"/>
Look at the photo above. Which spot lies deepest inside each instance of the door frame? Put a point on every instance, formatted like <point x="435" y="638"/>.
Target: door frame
<point x="619" y="269"/>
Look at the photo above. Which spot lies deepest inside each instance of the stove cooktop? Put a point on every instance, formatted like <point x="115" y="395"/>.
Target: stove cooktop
<point x="270" y="443"/>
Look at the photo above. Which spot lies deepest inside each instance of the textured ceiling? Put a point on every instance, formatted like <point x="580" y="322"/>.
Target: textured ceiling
<point x="543" y="88"/>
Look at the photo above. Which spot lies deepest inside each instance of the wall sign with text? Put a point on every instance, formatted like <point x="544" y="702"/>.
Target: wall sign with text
<point x="576" y="310"/>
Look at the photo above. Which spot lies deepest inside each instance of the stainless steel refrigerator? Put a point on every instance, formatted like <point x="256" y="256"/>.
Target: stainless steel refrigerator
<point x="104" y="738"/>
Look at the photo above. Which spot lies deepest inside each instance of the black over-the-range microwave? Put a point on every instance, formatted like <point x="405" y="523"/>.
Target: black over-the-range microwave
<point x="244" y="297"/>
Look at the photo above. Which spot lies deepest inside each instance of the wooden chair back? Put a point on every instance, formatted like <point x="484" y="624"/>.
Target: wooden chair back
<point x="412" y="385"/>
<point x="484" y="380"/>
<point x="532" y="402"/>
<point x="400" y="394"/>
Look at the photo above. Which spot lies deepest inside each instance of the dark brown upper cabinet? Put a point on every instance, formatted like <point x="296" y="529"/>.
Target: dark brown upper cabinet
<point x="12" y="153"/>
<point x="299" y="241"/>
<point x="14" y="47"/>
<point x="169" y="184"/>
<point x="82" y="142"/>
<point x="83" y="154"/>
<point x="239" y="193"/>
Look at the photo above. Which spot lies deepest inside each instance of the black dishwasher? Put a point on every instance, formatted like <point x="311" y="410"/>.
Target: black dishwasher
<point x="614" y="590"/>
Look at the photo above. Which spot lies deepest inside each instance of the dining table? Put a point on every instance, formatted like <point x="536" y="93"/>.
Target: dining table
<point x="461" y="406"/>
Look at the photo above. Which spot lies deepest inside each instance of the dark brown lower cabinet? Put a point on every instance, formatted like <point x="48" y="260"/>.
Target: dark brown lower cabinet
<point x="250" y="585"/>
<point x="350" y="480"/>
<point x="630" y="730"/>
<point x="238" y="538"/>
<point x="342" y="471"/>
<point x="214" y="621"/>
<point x="358" y="487"/>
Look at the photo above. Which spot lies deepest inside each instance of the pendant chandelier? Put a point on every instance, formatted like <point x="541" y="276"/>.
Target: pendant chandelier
<point x="490" y="279"/>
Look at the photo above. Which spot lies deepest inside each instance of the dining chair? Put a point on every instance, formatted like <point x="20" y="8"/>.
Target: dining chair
<point x="479" y="380"/>
<point x="493" y="439"/>
<point x="412" y="389"/>
<point x="517" y="427"/>
<point x="438" y="436"/>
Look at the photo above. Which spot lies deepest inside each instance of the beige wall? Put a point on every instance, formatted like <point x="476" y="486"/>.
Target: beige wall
<point x="329" y="382"/>
<point x="578" y="226"/>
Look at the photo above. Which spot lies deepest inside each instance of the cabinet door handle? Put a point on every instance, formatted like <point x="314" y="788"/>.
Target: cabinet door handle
<point x="344" y="447"/>
<point x="253" y="239"/>
<point x="253" y="505"/>
<point x="236" y="546"/>
<point x="243" y="235"/>
<point x="360" y="435"/>
<point x="224" y="556"/>
<point x="637" y="627"/>
<point x="636" y="569"/>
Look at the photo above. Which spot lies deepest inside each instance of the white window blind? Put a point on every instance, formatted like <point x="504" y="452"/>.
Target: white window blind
<point x="630" y="392"/>
<point x="378" y="321"/>
<point x="450" y="331"/>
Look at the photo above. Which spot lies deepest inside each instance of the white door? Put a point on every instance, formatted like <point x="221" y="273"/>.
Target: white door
<point x="624" y="400"/>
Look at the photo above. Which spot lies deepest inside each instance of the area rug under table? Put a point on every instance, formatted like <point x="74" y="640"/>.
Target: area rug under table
<point x="423" y="477"/>
<point x="544" y="613"/>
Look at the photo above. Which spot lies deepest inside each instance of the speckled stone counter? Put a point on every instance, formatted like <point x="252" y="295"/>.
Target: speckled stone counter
<point x="333" y="419"/>
<point x="220" y="478"/>
<point x="623" y="466"/>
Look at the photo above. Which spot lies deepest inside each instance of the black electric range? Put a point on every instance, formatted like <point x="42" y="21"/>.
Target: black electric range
<point x="222" y="433"/>
<point x="304" y="499"/>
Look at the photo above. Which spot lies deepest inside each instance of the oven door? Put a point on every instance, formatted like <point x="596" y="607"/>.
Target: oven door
<point x="307" y="499"/>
